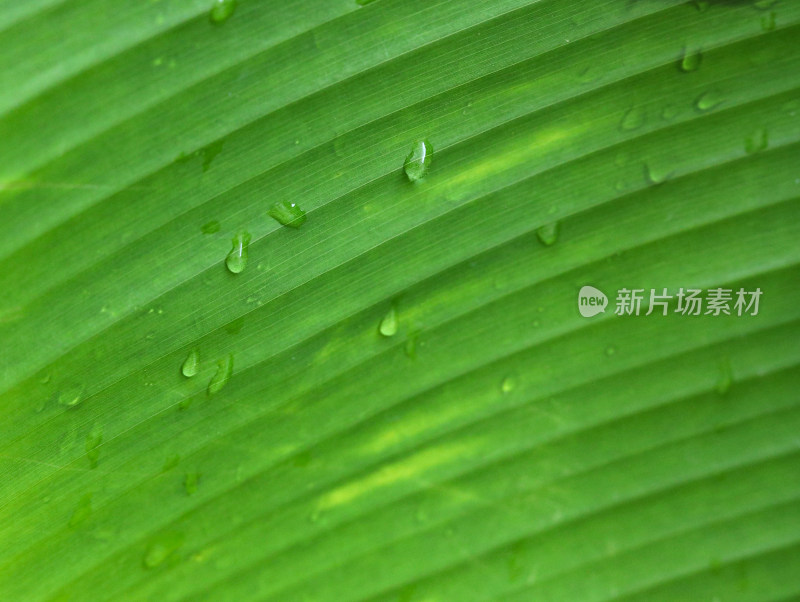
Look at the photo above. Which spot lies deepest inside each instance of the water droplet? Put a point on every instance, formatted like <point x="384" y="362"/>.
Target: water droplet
<point x="222" y="375"/>
<point x="222" y="10"/>
<point x="632" y="119"/>
<point x="70" y="396"/>
<point x="548" y="234"/>
<point x="82" y="511"/>
<point x="388" y="327"/>
<point x="191" y="364"/>
<point x="171" y="462"/>
<point x="669" y="113"/>
<point x="237" y="258"/>
<point x="162" y="549"/>
<point x="654" y="175"/>
<point x="45" y="379"/>
<point x="418" y="160"/>
<point x="725" y="378"/>
<point x="185" y="403"/>
<point x="288" y="214"/>
<point x="210" y="227"/>
<point x="768" y="22"/>
<point x="190" y="481"/>
<point x="691" y="60"/>
<point x="508" y="384"/>
<point x="92" y="445"/>
<point x="756" y="142"/>
<point x="708" y="100"/>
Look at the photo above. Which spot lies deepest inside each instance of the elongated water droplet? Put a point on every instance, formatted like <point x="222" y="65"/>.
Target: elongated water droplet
<point x="756" y="142"/>
<point x="70" y="396"/>
<point x="221" y="10"/>
<point x="508" y="384"/>
<point x="210" y="227"/>
<point x="691" y="60"/>
<point x="709" y="100"/>
<point x="632" y="119"/>
<point x="725" y="378"/>
<point x="82" y="511"/>
<point x="222" y="375"/>
<point x="191" y="364"/>
<point x="548" y="234"/>
<point x="388" y="327"/>
<point x="237" y="258"/>
<point x="190" y="482"/>
<point x="418" y="160"/>
<point x="162" y="549"/>
<point x="92" y="445"/>
<point x="288" y="214"/>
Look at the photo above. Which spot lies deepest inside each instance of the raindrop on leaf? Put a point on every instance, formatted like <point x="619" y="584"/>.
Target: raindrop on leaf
<point x="288" y="214"/>
<point x="418" y="160"/>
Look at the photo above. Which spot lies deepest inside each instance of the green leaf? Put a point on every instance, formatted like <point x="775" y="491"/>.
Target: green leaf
<point x="396" y="397"/>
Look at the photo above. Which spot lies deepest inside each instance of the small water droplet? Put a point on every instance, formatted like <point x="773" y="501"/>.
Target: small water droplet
<point x="288" y="214"/>
<point x="236" y="260"/>
<point x="388" y="326"/>
<point x="633" y="118"/>
<point x="190" y="481"/>
<point x="221" y="11"/>
<point x="756" y="142"/>
<point x="211" y="227"/>
<point x="418" y="161"/>
<point x="654" y="175"/>
<point x="82" y="511"/>
<point x="162" y="549"/>
<point x="669" y="112"/>
<point x="92" y="445"/>
<point x="508" y="384"/>
<point x="222" y="375"/>
<point x="548" y="234"/>
<point x="768" y="22"/>
<point x="691" y="60"/>
<point x="708" y="100"/>
<point x="70" y="396"/>
<point x="191" y="364"/>
<point x="725" y="378"/>
<point x="45" y="379"/>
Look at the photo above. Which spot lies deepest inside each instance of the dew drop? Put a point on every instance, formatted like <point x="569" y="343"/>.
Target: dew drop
<point x="190" y="481"/>
<point x="288" y="214"/>
<point x="222" y="375"/>
<point x="221" y="10"/>
<point x="388" y="326"/>
<point x="548" y="234"/>
<point x="725" y="377"/>
<point x="690" y="60"/>
<point x="159" y="551"/>
<point x="92" y="444"/>
<point x="508" y="384"/>
<point x="82" y="511"/>
<point x="211" y="227"/>
<point x="708" y="100"/>
<point x="236" y="260"/>
<point x="756" y="142"/>
<point x="669" y="112"/>
<point x="632" y="119"/>
<point x="418" y="160"/>
<point x="191" y="364"/>
<point x="70" y="396"/>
